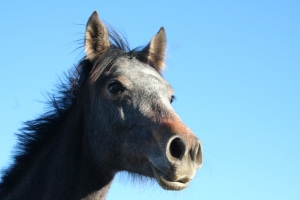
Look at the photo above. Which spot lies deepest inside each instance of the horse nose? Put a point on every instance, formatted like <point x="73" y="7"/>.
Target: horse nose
<point x="177" y="150"/>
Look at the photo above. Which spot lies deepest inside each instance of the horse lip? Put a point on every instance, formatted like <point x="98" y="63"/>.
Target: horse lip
<point x="165" y="182"/>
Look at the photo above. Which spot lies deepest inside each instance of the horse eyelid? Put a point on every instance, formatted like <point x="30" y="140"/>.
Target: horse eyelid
<point x="173" y="98"/>
<point x="117" y="80"/>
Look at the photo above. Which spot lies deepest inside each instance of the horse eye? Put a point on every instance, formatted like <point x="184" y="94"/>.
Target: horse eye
<point x="115" y="88"/>
<point x="172" y="99"/>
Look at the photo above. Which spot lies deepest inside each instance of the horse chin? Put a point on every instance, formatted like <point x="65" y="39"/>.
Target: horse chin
<point x="165" y="182"/>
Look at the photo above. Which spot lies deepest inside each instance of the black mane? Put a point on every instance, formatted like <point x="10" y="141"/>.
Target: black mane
<point x="38" y="132"/>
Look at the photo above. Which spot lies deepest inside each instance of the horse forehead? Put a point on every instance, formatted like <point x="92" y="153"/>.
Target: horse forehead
<point x="138" y="71"/>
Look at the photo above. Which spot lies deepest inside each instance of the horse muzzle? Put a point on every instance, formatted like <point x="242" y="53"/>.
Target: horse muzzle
<point x="177" y="167"/>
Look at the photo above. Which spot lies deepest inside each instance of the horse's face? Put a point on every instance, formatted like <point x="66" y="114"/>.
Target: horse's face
<point x="133" y="126"/>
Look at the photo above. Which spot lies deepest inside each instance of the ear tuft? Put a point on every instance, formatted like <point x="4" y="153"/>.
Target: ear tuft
<point x="155" y="50"/>
<point x="96" y="37"/>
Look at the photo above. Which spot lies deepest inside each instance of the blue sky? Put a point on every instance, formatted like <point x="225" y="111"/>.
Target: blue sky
<point x="234" y="66"/>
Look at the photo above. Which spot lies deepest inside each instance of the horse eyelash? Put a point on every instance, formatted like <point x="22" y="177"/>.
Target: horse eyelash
<point x="173" y="98"/>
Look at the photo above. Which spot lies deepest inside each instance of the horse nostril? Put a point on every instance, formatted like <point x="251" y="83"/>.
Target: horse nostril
<point x="196" y="154"/>
<point x="177" y="148"/>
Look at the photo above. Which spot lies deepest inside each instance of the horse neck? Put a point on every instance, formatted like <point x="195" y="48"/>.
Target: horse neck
<point x="65" y="168"/>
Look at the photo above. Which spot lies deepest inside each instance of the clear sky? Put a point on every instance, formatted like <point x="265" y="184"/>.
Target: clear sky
<point x="234" y="65"/>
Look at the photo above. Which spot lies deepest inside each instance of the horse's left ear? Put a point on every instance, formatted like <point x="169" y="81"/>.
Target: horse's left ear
<point x="155" y="50"/>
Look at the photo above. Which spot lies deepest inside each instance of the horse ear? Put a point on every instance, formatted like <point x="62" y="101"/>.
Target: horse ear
<point x="96" y="37"/>
<point x="155" y="50"/>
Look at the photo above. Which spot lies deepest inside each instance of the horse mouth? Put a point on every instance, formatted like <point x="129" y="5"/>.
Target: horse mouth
<point x="166" y="183"/>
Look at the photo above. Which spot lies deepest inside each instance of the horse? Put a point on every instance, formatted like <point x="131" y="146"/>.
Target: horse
<point x="112" y="114"/>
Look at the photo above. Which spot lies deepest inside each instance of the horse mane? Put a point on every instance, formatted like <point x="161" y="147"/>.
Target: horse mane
<point x="38" y="132"/>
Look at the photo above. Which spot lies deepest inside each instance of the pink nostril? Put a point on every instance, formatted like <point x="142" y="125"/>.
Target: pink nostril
<point x="177" y="148"/>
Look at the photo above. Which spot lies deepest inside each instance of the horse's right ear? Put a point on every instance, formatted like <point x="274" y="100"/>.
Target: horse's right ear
<point x="96" y="39"/>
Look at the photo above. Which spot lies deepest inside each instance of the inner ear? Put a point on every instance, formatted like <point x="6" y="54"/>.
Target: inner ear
<point x="96" y="37"/>
<point x="155" y="50"/>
